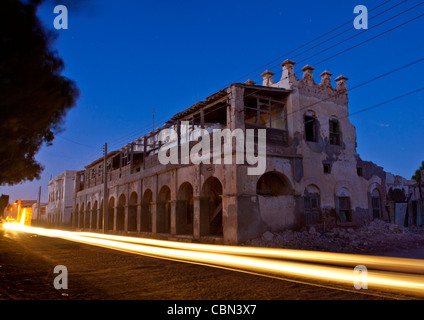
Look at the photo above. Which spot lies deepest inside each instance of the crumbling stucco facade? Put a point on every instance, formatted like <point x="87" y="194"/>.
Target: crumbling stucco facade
<point x="313" y="174"/>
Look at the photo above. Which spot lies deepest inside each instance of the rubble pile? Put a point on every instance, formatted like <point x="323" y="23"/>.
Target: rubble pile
<point x="377" y="236"/>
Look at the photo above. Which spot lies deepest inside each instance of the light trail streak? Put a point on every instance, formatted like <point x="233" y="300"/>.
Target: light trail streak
<point x="218" y="256"/>
<point x="377" y="262"/>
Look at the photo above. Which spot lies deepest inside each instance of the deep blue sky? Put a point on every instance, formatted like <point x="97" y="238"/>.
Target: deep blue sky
<point x="128" y="57"/>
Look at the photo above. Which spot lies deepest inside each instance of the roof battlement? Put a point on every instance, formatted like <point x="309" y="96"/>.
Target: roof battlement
<point x="307" y="85"/>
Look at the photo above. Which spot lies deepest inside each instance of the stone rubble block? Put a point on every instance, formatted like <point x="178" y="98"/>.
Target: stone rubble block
<point x="378" y="235"/>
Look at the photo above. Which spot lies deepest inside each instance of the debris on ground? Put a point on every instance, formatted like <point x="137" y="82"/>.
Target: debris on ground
<point x="377" y="236"/>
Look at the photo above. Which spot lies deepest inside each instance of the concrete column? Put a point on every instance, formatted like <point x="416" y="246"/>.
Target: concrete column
<point x="240" y="218"/>
<point x="153" y="208"/>
<point x="201" y="223"/>
<point x="235" y="110"/>
<point x="139" y="195"/>
<point x="97" y="218"/>
<point x="173" y="204"/>
<point x="126" y="218"/>
<point x="229" y="218"/>
<point x="115" y="216"/>
<point x="196" y="217"/>
<point x="90" y="219"/>
<point x="138" y="217"/>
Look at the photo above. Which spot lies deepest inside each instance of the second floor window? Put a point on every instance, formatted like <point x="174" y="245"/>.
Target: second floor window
<point x="264" y="112"/>
<point x="334" y="132"/>
<point x="310" y="128"/>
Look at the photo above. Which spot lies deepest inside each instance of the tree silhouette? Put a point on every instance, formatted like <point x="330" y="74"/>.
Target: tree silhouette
<point x="34" y="96"/>
<point x="417" y="174"/>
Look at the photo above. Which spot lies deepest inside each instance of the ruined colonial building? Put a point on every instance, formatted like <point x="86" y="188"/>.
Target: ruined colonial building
<point x="313" y="174"/>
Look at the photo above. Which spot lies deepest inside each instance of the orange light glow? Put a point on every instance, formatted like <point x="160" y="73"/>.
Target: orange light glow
<point x="22" y="221"/>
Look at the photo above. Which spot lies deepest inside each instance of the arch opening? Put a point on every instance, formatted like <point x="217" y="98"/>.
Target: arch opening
<point x="110" y="214"/>
<point x="132" y="212"/>
<point x="120" y="213"/>
<point x="211" y="208"/>
<point x="184" y="209"/>
<point x="94" y="216"/>
<point x="272" y="184"/>
<point x="146" y="213"/>
<point x="164" y="211"/>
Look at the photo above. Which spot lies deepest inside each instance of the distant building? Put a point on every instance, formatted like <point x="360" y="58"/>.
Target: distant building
<point x="39" y="219"/>
<point x="61" y="198"/>
<point x="20" y="211"/>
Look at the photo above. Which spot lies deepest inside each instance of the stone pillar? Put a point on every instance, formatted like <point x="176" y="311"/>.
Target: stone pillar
<point x="229" y="218"/>
<point x="90" y="219"/>
<point x="341" y="83"/>
<point x="126" y="218"/>
<point x="235" y="109"/>
<point x="326" y="79"/>
<point x="288" y="76"/>
<point x="153" y="208"/>
<point x="196" y="217"/>
<point x="267" y="78"/>
<point x="98" y="218"/>
<point x="308" y="76"/>
<point x="138" y="217"/>
<point x="115" y="216"/>
<point x="173" y="204"/>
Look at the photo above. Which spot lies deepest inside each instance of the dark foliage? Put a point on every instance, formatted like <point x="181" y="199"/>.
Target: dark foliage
<point x="417" y="174"/>
<point x="34" y="96"/>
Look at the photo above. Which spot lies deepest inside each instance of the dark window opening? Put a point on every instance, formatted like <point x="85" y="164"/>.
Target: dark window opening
<point x="327" y="168"/>
<point x="264" y="112"/>
<point x="359" y="172"/>
<point x="375" y="203"/>
<point x="334" y="132"/>
<point x="344" y="209"/>
<point x="310" y="129"/>
<point x="214" y="115"/>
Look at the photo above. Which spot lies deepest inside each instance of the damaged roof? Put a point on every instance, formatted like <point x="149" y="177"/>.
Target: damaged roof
<point x="223" y="93"/>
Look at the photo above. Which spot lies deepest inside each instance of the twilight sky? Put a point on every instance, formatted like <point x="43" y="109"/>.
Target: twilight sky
<point x="128" y="57"/>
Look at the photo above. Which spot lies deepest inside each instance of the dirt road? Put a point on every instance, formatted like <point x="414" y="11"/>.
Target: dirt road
<point x="27" y="263"/>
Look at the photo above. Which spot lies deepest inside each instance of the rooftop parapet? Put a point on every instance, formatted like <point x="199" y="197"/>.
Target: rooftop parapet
<point x="267" y="78"/>
<point x="307" y="85"/>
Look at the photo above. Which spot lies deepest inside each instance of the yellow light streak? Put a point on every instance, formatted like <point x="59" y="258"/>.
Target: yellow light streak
<point x="382" y="263"/>
<point x="227" y="257"/>
<point x="23" y="217"/>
